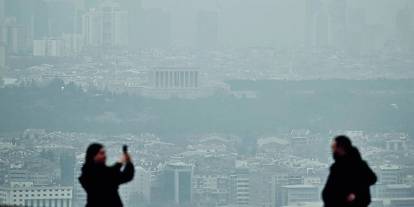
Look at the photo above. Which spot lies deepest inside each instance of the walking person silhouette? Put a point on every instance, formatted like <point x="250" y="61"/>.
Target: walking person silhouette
<point x="101" y="182"/>
<point x="350" y="177"/>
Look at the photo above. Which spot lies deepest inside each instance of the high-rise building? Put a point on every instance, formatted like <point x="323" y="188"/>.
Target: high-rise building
<point x="281" y="180"/>
<point x="2" y="41"/>
<point x="326" y="23"/>
<point x="14" y="39"/>
<point x="211" y="189"/>
<point x="135" y="17"/>
<point x="2" y="11"/>
<point x="177" y="183"/>
<point x="67" y="45"/>
<point x="79" y="194"/>
<point x="313" y="10"/>
<point x="73" y="44"/>
<point x="105" y="26"/>
<point x="338" y="24"/>
<point x="138" y="191"/>
<point x="67" y="162"/>
<point x="357" y="32"/>
<point x="61" y="16"/>
<point x="32" y="15"/>
<point x="13" y="35"/>
<point x="2" y="61"/>
<point x="48" y="47"/>
<point x="183" y="23"/>
<point x="39" y="47"/>
<point x="80" y="9"/>
<point x="207" y="29"/>
<point x="240" y="187"/>
<point x="404" y="22"/>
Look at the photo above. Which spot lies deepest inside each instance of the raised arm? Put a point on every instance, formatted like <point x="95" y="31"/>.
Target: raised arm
<point x="127" y="174"/>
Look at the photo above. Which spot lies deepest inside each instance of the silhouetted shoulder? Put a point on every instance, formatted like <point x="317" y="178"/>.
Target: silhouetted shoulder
<point x="368" y="173"/>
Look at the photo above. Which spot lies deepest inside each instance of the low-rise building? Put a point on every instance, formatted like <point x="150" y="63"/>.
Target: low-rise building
<point x="27" y="194"/>
<point x="292" y="194"/>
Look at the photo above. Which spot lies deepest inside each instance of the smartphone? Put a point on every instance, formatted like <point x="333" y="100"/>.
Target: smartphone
<point x="125" y="149"/>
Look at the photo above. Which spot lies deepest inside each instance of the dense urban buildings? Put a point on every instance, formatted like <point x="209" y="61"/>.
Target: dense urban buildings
<point x="202" y="170"/>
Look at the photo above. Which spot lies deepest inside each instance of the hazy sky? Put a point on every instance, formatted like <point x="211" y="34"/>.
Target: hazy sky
<point x="269" y="22"/>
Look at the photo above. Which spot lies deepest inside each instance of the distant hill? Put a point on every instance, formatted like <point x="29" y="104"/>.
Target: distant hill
<point x="374" y="105"/>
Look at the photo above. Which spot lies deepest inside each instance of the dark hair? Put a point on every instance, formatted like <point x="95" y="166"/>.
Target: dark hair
<point x="91" y="152"/>
<point x="354" y="154"/>
<point x="344" y="142"/>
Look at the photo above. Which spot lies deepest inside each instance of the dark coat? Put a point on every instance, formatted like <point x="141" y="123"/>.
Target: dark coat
<point x="349" y="175"/>
<point x="101" y="183"/>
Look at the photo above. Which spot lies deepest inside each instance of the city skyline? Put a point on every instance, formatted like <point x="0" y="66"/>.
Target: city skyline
<point x="222" y="103"/>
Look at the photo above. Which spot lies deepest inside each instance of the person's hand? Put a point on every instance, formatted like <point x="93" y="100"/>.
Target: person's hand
<point x="125" y="158"/>
<point x="351" y="197"/>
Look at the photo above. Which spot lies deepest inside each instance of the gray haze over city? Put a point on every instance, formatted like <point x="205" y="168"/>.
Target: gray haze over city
<point x="223" y="103"/>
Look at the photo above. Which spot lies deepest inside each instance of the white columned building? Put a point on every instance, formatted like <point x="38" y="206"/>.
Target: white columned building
<point x="175" y="78"/>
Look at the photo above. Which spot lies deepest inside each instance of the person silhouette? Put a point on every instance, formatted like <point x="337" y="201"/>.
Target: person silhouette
<point x="101" y="182"/>
<point x="350" y="177"/>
